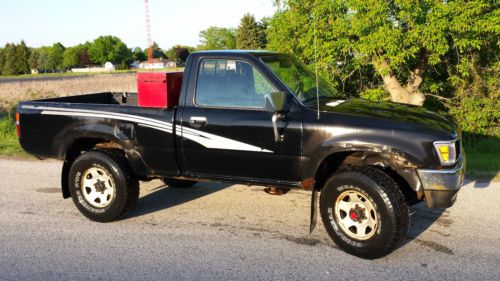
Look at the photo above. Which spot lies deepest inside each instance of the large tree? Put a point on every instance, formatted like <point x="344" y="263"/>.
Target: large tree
<point x="33" y="59"/>
<point x="179" y="53"/>
<point x="75" y="56"/>
<point x="415" y="48"/>
<point x="157" y="51"/>
<point x="139" y="55"/>
<point x="9" y="56"/>
<point x="55" y="57"/>
<point x="217" y="38"/>
<point x="109" y="48"/>
<point x="22" y="58"/>
<point x="43" y="58"/>
<point x="14" y="59"/>
<point x="2" y="60"/>
<point x="248" y="33"/>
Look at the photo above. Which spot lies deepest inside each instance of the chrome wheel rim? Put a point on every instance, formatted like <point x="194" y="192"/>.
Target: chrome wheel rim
<point x="97" y="187"/>
<point x="356" y="215"/>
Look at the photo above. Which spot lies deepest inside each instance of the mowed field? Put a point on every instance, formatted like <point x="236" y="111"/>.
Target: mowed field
<point x="15" y="90"/>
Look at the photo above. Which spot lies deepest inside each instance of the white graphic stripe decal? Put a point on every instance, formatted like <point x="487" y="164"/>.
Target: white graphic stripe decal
<point x="164" y="127"/>
<point x="205" y="139"/>
<point x="128" y="116"/>
<point x="217" y="142"/>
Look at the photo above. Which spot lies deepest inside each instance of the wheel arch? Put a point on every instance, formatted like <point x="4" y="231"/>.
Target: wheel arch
<point x="80" y="145"/>
<point x="397" y="166"/>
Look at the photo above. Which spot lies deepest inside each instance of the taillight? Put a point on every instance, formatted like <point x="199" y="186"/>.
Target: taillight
<point x="18" y="128"/>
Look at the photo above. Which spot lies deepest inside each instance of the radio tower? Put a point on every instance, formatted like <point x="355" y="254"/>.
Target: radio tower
<point x="148" y="31"/>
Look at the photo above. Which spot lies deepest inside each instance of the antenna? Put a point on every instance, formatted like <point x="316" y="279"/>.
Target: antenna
<point x="316" y="60"/>
<point x="148" y="31"/>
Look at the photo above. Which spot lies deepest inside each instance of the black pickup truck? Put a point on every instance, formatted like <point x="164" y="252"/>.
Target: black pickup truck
<point x="258" y="118"/>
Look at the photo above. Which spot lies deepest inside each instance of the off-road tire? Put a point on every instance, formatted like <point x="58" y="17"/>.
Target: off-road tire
<point x="178" y="183"/>
<point x="388" y="202"/>
<point x="126" y="192"/>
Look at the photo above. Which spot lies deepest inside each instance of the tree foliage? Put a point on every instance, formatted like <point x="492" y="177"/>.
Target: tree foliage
<point x="22" y="58"/>
<point x="76" y="56"/>
<point x="179" y="53"/>
<point x="14" y="59"/>
<point x="109" y="48"/>
<point x="33" y="59"/>
<point x="249" y="34"/>
<point x="139" y="55"/>
<point x="55" y="56"/>
<point x="9" y="58"/>
<point x="2" y="60"/>
<point x="43" y="58"/>
<point x="413" y="48"/>
<point x="217" y="38"/>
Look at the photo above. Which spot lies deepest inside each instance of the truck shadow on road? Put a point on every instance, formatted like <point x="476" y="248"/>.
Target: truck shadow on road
<point x="422" y="220"/>
<point x="164" y="197"/>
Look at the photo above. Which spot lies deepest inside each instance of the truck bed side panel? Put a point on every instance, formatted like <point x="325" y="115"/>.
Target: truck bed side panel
<point x="50" y="128"/>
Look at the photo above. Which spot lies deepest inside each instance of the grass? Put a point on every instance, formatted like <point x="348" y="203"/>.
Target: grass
<point x="9" y="144"/>
<point x="483" y="156"/>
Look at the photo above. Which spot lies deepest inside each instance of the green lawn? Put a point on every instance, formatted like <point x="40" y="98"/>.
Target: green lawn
<point x="483" y="159"/>
<point x="9" y="144"/>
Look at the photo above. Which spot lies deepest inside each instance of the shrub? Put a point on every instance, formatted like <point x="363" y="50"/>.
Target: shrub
<point x="477" y="115"/>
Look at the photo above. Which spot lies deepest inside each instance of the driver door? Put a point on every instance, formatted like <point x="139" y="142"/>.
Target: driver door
<point x="227" y="133"/>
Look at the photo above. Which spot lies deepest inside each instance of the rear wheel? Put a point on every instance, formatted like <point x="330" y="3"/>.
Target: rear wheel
<point x="364" y="212"/>
<point x="102" y="185"/>
<point x="178" y="183"/>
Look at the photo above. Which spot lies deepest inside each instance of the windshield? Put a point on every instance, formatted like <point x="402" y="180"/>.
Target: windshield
<point x="299" y="79"/>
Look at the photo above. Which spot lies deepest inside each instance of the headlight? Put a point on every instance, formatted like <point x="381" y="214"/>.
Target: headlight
<point x="446" y="151"/>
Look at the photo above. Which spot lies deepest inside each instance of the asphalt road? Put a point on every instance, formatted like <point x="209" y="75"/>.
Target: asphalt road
<point x="226" y="232"/>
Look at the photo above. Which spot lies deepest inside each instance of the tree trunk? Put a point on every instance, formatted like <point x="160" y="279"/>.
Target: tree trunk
<point x="409" y="94"/>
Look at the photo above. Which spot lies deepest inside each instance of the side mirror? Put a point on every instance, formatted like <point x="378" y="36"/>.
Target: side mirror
<point x="276" y="102"/>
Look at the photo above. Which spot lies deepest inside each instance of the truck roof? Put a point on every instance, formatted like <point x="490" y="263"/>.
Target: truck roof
<point x="236" y="52"/>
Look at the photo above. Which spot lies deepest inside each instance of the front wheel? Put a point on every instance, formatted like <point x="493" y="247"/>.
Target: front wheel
<point x="102" y="185"/>
<point x="364" y="212"/>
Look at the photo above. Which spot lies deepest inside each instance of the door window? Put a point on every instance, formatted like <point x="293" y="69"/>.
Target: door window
<point x="230" y="83"/>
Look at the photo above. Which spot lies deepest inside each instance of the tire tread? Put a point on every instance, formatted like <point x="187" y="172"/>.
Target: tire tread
<point x="392" y="197"/>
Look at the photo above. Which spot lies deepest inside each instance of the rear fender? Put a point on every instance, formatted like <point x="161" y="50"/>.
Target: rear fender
<point x="71" y="142"/>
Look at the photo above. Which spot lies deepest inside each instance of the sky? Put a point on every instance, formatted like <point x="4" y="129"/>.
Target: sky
<point x="44" y="22"/>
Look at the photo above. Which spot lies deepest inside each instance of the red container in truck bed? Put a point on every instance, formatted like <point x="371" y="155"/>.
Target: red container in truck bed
<point x="158" y="89"/>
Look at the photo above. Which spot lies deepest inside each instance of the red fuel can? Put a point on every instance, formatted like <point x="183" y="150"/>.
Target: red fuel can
<point x="158" y="89"/>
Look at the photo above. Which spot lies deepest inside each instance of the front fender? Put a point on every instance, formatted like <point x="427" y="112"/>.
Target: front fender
<point x="413" y="152"/>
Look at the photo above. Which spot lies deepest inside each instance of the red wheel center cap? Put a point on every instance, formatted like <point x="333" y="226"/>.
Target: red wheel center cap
<point x="353" y="215"/>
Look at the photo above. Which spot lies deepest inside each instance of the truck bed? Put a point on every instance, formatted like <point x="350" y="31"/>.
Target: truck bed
<point x="53" y="125"/>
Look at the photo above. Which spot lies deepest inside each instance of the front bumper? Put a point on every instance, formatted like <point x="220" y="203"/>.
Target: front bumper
<point x="441" y="186"/>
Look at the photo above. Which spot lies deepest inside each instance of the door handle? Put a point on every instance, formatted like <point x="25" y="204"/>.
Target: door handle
<point x="198" y="121"/>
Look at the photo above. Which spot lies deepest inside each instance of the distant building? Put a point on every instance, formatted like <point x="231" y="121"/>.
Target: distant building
<point x="158" y="63"/>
